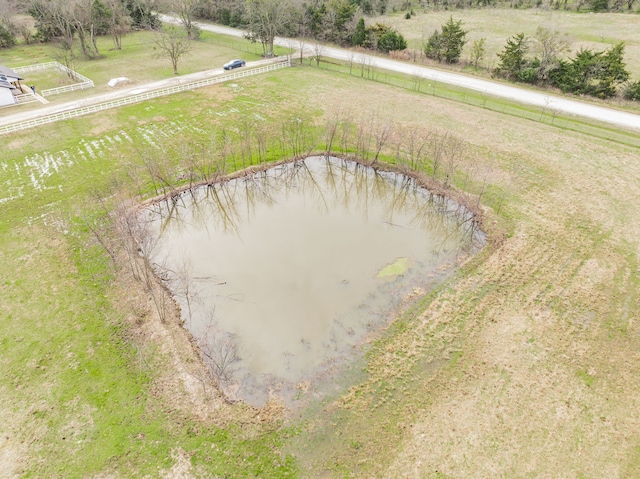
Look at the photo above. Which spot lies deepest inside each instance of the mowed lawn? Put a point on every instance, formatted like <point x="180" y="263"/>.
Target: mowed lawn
<point x="525" y="363"/>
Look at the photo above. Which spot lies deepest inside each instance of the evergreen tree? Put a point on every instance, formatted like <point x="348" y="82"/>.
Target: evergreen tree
<point x="433" y="49"/>
<point x="359" y="36"/>
<point x="512" y="58"/>
<point x="446" y="46"/>
<point x="592" y="73"/>
<point x="632" y="91"/>
<point x="391" y="40"/>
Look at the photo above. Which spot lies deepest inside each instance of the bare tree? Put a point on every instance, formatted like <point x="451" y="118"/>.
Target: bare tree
<point x="351" y="59"/>
<point x="317" y="50"/>
<point x="84" y="16"/>
<point x="417" y="80"/>
<point x="57" y="15"/>
<point x="266" y="19"/>
<point x="330" y="133"/>
<point x="382" y="134"/>
<point x="173" y="43"/>
<point x="551" y="45"/>
<point x="24" y="29"/>
<point x="139" y="243"/>
<point x="438" y="146"/>
<point x="478" y="51"/>
<point x="455" y="149"/>
<point x="346" y="127"/>
<point x="219" y="350"/>
<point x="366" y="65"/>
<point x="66" y="57"/>
<point x="302" y="49"/>
<point x="416" y="143"/>
<point x="184" y="285"/>
<point x="186" y="10"/>
<point x="119" y="21"/>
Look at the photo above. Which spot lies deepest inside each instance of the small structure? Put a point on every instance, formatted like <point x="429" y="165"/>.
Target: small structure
<point x="11" y="76"/>
<point x="9" y="81"/>
<point x="6" y="93"/>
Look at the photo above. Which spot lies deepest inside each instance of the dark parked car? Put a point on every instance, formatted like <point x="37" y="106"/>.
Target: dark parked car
<point x="234" y="64"/>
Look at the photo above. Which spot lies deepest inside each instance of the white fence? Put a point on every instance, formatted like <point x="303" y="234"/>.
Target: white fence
<point x="23" y="125"/>
<point x="36" y="66"/>
<point x="84" y="81"/>
<point x="25" y="98"/>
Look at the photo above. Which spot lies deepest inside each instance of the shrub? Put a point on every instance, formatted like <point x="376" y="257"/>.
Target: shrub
<point x="391" y="40"/>
<point x="632" y="91"/>
<point x="599" y="5"/>
<point x="7" y="39"/>
<point x="592" y="73"/>
<point x="384" y="38"/>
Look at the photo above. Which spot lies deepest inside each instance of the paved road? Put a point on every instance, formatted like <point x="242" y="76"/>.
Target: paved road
<point x="543" y="100"/>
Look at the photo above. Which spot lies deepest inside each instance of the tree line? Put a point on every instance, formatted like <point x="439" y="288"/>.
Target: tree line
<point x="68" y="20"/>
<point x="82" y="21"/>
<point x="541" y="60"/>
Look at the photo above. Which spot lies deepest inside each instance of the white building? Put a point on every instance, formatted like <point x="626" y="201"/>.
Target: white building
<point x="6" y="93"/>
<point x="9" y="84"/>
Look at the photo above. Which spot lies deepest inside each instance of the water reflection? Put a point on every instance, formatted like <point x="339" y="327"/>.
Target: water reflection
<point x="285" y="265"/>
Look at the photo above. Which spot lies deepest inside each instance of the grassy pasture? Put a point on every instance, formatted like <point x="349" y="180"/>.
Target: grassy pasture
<point x="583" y="30"/>
<point x="138" y="60"/>
<point x="523" y="364"/>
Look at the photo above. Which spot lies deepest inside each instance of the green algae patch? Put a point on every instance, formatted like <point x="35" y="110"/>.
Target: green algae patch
<point x="398" y="267"/>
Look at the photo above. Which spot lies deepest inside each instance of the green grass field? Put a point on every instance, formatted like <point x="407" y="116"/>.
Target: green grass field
<point x="523" y="364"/>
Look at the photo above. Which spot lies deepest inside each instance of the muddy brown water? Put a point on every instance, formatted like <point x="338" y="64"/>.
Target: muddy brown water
<point x="284" y="274"/>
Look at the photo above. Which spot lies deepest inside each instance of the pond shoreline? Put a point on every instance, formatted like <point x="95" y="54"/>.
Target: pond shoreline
<point x="465" y="204"/>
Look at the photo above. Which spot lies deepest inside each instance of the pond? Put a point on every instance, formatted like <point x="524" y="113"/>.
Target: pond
<point x="286" y="273"/>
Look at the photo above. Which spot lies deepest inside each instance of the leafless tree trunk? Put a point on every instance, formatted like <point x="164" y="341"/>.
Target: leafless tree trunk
<point x="331" y="130"/>
<point x="446" y="152"/>
<point x="317" y="50"/>
<point x="119" y="22"/>
<point x="266" y="19"/>
<point x="67" y="58"/>
<point x="416" y="143"/>
<point x="382" y="134"/>
<point x="172" y="43"/>
<point x="346" y="126"/>
<point x="186" y="10"/>
<point x="352" y="58"/>
<point x="184" y="286"/>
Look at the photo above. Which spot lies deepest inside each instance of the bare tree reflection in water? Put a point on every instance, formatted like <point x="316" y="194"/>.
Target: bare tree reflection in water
<point x="219" y="350"/>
